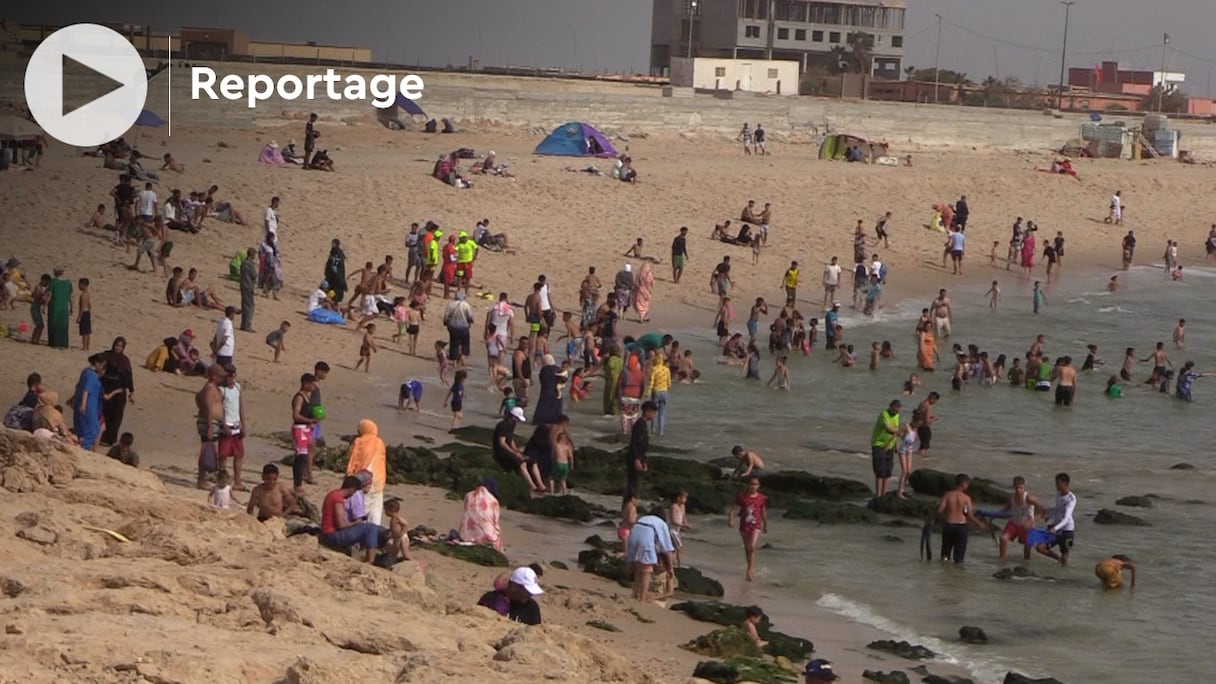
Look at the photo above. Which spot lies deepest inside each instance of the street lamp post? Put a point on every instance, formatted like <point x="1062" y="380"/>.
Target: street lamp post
<point x="692" y="15"/>
<point x="1063" y="53"/>
<point x="937" y="60"/>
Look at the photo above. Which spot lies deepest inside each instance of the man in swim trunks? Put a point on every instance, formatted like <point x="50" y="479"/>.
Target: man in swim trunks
<point x="1022" y="509"/>
<point x="1066" y="381"/>
<point x="1160" y="361"/>
<point x="750" y="463"/>
<point x="1110" y="571"/>
<point x="924" y="419"/>
<point x="956" y="507"/>
<point x="210" y="422"/>
<point x="301" y="428"/>
<point x="679" y="254"/>
<point x="943" y="315"/>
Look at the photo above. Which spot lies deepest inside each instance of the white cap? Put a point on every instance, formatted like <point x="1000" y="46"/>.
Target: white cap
<point x="526" y="578"/>
<point x="628" y="268"/>
<point x="519" y="415"/>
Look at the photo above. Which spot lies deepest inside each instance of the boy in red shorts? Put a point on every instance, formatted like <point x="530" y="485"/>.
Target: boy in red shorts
<point x="1022" y="509"/>
<point x="232" y="435"/>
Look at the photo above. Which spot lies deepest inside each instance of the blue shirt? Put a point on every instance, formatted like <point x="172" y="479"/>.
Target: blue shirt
<point x="957" y="238"/>
<point x="1185" y="379"/>
<point x="650" y="536"/>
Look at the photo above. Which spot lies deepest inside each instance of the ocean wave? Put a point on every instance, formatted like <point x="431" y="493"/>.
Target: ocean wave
<point x="984" y="668"/>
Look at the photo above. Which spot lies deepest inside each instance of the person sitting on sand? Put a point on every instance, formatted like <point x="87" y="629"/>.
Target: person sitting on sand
<point x="1110" y="571"/>
<point x="48" y="420"/>
<point x="751" y="623"/>
<point x="98" y="220"/>
<point x="479" y="519"/>
<point x="484" y="238"/>
<point x="635" y="252"/>
<point x="172" y="164"/>
<point x="340" y="533"/>
<point x="193" y="292"/>
<point x="321" y="161"/>
<point x="516" y="600"/>
<point x="749" y="215"/>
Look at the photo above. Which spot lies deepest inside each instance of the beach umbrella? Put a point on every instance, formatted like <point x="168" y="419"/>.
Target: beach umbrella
<point x="16" y="128"/>
<point x="149" y="119"/>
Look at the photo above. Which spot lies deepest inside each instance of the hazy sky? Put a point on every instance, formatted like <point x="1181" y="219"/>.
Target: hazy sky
<point x="1009" y="37"/>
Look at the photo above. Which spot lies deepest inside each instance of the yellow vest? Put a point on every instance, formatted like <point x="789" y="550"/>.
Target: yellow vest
<point x="465" y="251"/>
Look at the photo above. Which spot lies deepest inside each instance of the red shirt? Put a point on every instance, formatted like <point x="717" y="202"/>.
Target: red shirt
<point x="329" y="516"/>
<point x="751" y="507"/>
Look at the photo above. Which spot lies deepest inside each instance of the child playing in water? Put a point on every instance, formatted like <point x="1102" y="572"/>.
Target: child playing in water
<point x="751" y="369"/>
<point x="366" y="349"/>
<point x="679" y="523"/>
<point x="781" y="375"/>
<point x="275" y="339"/>
<point x="508" y="401"/>
<point x="1039" y="298"/>
<point x="1017" y="375"/>
<point x="1110" y="571"/>
<point x="411" y="393"/>
<point x="221" y="493"/>
<point x="875" y="354"/>
<point x="888" y="352"/>
<point x="907" y="444"/>
<point x="563" y="462"/>
<point x="442" y="357"/>
<point x="413" y="323"/>
<point x="1113" y="390"/>
<point x="847" y="358"/>
<point x="398" y="546"/>
<point x="994" y="295"/>
<point x="455" y="397"/>
<point x="911" y="384"/>
<point x="722" y="320"/>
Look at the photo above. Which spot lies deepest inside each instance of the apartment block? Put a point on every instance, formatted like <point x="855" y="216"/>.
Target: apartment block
<point x="798" y="30"/>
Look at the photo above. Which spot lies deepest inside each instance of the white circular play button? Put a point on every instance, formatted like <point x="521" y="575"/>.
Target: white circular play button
<point x="85" y="85"/>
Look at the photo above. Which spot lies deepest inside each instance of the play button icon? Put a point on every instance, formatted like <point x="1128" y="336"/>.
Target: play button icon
<point x="85" y="85"/>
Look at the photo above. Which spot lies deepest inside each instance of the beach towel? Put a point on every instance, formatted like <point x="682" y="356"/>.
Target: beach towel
<point x="271" y="155"/>
<point x="326" y="316"/>
<point x="479" y="521"/>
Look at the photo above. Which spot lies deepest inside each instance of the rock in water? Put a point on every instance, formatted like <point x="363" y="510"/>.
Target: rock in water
<point x="1182" y="466"/>
<point x="939" y="679"/>
<point x="936" y="483"/>
<point x="892" y="677"/>
<point x="1107" y="516"/>
<point x="1135" y="501"/>
<point x="693" y="582"/>
<point x="1016" y="678"/>
<point x="902" y="649"/>
<point x="728" y="642"/>
<point x="972" y="635"/>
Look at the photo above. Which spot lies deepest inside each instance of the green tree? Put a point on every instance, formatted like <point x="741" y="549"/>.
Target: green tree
<point x="947" y="76"/>
<point x="861" y="51"/>
<point x="1174" y="102"/>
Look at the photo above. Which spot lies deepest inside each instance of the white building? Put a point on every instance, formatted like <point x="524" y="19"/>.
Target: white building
<point x="775" y="77"/>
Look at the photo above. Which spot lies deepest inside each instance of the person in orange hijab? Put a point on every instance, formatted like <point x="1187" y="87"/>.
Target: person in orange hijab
<point x="367" y="453"/>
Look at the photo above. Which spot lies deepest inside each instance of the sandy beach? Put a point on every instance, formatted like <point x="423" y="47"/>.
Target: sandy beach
<point x="230" y="599"/>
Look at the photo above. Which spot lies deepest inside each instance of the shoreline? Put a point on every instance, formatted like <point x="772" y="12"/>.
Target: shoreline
<point x="555" y="230"/>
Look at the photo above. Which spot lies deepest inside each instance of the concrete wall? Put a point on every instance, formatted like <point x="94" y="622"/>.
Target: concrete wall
<point x="630" y="108"/>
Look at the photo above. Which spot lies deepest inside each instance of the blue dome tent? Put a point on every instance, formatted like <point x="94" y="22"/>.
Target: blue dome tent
<point x="576" y="139"/>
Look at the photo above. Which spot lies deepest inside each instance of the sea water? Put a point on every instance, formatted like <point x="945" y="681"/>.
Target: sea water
<point x="1065" y="627"/>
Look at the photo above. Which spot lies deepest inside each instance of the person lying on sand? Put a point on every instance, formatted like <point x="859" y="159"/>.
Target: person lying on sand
<point x="172" y="164"/>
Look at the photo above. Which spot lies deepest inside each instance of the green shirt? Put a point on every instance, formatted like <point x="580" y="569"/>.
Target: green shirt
<point x="1114" y="391"/>
<point x="885" y="430"/>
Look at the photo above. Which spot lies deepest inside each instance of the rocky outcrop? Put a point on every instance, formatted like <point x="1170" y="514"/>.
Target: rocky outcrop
<point x="972" y="635"/>
<point x="1107" y="516"/>
<point x="1135" y="501"/>
<point x="902" y="649"/>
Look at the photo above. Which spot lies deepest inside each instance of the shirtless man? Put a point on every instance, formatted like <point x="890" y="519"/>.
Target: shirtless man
<point x="1022" y="509"/>
<point x="749" y="215"/>
<point x="957" y="509"/>
<point x="271" y="499"/>
<point x="1066" y="381"/>
<point x="1036" y="349"/>
<point x="765" y="218"/>
<point x="943" y="315"/>
<point x="1160" y="361"/>
<point x="589" y="289"/>
<point x="210" y="421"/>
<point x="635" y="252"/>
<point x="750" y="463"/>
<point x="532" y="313"/>
<point x="365" y="276"/>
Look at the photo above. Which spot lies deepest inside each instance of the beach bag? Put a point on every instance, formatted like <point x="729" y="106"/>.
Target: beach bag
<point x="19" y="418"/>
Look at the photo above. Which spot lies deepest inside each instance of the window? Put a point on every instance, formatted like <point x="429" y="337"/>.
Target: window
<point x="896" y="20"/>
<point x="817" y="36"/>
<point x="799" y="34"/>
<point x="783" y="34"/>
<point x="753" y="9"/>
<point x="897" y="41"/>
<point x="824" y="13"/>
<point x="751" y="31"/>
<point x="772" y="73"/>
<point x="834" y="37"/>
<point x="719" y="72"/>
